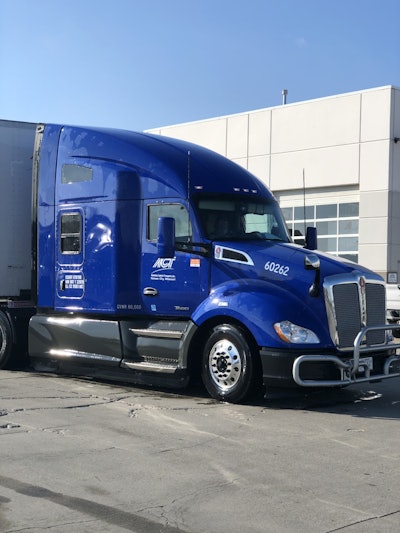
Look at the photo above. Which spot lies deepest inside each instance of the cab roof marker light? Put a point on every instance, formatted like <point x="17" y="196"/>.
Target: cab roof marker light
<point x="292" y="333"/>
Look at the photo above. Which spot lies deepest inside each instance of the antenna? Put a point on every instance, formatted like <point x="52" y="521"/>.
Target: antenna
<point x="188" y="176"/>
<point x="188" y="190"/>
<point x="304" y="201"/>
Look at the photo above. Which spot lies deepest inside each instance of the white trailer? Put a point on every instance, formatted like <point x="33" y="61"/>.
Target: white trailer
<point x="16" y="156"/>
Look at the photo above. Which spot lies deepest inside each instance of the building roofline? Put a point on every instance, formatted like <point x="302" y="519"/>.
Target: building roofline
<point x="300" y="102"/>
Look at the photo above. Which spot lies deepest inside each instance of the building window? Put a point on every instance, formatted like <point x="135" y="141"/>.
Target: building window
<point x="336" y="223"/>
<point x="71" y="233"/>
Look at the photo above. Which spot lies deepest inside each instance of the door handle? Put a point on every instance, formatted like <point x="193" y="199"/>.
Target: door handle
<point x="150" y="291"/>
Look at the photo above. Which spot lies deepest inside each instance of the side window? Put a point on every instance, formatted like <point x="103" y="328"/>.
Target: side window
<point x="75" y="173"/>
<point x="71" y="233"/>
<point x="183" y="228"/>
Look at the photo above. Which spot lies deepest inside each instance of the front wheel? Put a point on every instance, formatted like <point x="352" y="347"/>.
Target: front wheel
<point x="229" y="370"/>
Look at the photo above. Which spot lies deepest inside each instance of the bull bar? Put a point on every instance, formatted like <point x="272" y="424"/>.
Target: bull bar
<point x="351" y="367"/>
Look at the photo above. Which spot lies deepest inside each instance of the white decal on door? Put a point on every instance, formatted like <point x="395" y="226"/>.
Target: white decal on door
<point x="163" y="265"/>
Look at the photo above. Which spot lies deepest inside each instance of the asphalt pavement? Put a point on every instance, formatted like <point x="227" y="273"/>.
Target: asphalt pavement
<point x="88" y="456"/>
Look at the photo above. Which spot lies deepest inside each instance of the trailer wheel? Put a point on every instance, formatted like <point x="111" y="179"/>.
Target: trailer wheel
<point x="229" y="370"/>
<point x="6" y="340"/>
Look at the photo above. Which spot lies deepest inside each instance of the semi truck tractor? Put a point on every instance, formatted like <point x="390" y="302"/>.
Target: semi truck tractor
<point x="152" y="260"/>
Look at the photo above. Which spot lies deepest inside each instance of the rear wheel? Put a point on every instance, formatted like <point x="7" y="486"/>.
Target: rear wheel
<point x="229" y="370"/>
<point x="6" y="340"/>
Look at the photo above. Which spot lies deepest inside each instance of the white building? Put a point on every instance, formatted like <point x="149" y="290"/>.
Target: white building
<point x="334" y="161"/>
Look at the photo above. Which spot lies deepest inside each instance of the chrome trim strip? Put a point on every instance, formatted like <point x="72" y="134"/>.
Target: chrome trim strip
<point x="145" y="366"/>
<point x="219" y="254"/>
<point x="68" y="354"/>
<point x="160" y="333"/>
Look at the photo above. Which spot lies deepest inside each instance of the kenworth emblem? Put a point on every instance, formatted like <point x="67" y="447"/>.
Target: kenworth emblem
<point x="363" y="301"/>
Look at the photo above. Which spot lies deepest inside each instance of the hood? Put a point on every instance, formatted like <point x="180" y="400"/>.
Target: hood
<point x="280" y="263"/>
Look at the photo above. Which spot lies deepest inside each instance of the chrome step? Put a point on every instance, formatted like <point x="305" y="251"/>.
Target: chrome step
<point x="150" y="366"/>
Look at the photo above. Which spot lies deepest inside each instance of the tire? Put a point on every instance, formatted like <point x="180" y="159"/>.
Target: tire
<point x="230" y="371"/>
<point x="6" y="341"/>
<point x="396" y="334"/>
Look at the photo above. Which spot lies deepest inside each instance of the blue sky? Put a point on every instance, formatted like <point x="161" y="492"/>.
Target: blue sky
<point x="139" y="64"/>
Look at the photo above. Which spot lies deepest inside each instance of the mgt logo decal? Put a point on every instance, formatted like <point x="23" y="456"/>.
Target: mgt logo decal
<point x="162" y="265"/>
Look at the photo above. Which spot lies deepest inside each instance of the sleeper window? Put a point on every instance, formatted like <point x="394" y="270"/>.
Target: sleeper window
<point x="71" y="233"/>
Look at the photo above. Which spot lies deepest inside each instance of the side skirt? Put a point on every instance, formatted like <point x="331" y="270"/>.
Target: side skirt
<point x="136" y="351"/>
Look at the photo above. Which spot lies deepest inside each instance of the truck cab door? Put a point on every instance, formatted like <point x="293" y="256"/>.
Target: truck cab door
<point x="171" y="286"/>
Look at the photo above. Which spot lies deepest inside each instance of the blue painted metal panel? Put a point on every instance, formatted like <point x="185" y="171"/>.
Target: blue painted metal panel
<point x="126" y="168"/>
<point x="128" y="171"/>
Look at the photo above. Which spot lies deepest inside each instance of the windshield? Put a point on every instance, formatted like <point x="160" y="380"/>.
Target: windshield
<point x="235" y="218"/>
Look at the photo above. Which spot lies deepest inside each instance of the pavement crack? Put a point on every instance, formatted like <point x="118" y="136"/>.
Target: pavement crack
<point x="94" y="403"/>
<point x="104" y="513"/>
<point x="55" y="527"/>
<point x="364" y="521"/>
<point x="9" y="426"/>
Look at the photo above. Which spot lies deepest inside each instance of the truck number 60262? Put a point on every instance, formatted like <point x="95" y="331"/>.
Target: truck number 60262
<point x="276" y="268"/>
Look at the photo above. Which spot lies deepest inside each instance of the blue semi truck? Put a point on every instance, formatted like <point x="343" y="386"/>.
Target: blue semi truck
<point x="153" y="260"/>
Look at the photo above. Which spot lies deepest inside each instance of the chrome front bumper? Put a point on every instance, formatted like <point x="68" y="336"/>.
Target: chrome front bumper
<point x="359" y="368"/>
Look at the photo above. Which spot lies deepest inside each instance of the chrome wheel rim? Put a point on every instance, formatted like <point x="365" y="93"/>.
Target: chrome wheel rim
<point x="225" y="364"/>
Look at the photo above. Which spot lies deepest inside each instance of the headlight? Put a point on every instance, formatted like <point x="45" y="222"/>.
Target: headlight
<point x="290" y="332"/>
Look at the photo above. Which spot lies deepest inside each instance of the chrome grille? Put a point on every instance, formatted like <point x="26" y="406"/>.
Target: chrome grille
<point x="376" y="312"/>
<point x="353" y="303"/>
<point x="347" y="310"/>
